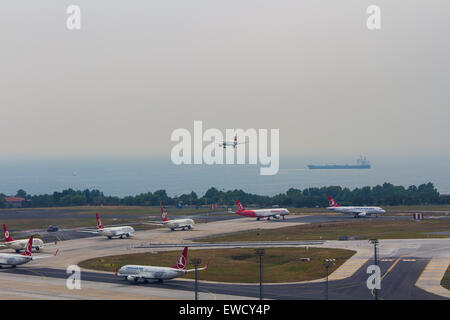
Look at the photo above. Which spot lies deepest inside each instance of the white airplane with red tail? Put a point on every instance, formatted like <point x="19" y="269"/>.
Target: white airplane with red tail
<point x="356" y="211"/>
<point x="20" y="244"/>
<point x="15" y="259"/>
<point x="109" y="232"/>
<point x="259" y="214"/>
<point x="135" y="273"/>
<point x="182" y="224"/>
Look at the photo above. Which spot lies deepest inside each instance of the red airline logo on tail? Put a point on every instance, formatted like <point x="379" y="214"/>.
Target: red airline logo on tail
<point x="99" y="223"/>
<point x="29" y="247"/>
<point x="181" y="264"/>
<point x="164" y="215"/>
<point x="8" y="238"/>
<point x="332" y="202"/>
<point x="240" y="206"/>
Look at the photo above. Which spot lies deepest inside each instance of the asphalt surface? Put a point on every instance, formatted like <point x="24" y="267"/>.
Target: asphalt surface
<point x="399" y="277"/>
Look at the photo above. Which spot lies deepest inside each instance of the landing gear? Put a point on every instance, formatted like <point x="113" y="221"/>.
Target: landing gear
<point x="17" y="250"/>
<point x="128" y="235"/>
<point x="109" y="237"/>
<point x="183" y="229"/>
<point x="136" y="280"/>
<point x="173" y="229"/>
<point x="257" y="219"/>
<point x="121" y="236"/>
<point x="268" y="219"/>
<point x="283" y="217"/>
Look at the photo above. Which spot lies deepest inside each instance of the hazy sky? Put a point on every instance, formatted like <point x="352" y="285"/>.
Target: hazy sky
<point x="137" y="70"/>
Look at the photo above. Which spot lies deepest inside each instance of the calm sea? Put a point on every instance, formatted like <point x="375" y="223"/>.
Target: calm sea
<point x="122" y="177"/>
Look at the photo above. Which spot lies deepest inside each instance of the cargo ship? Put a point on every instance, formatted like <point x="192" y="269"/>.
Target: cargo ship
<point x="361" y="163"/>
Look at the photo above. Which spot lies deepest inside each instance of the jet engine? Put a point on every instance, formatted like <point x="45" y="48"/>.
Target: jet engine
<point x="277" y="216"/>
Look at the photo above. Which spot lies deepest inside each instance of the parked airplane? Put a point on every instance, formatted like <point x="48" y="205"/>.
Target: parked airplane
<point x="356" y="211"/>
<point x="21" y="244"/>
<point x="109" y="232"/>
<point x="259" y="214"/>
<point x="136" y="272"/>
<point x="173" y="224"/>
<point x="233" y="144"/>
<point x="15" y="259"/>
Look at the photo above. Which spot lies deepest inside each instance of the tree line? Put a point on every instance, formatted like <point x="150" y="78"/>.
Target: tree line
<point x="386" y="194"/>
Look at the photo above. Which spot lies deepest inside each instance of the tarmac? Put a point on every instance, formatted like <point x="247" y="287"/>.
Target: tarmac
<point x="411" y="268"/>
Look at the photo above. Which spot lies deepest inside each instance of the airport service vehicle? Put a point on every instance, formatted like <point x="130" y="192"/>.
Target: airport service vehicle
<point x="233" y="143"/>
<point x="182" y="224"/>
<point x="21" y="244"/>
<point x="52" y="229"/>
<point x="134" y="273"/>
<point x="15" y="259"/>
<point x="276" y="213"/>
<point x="109" y="232"/>
<point x="356" y="211"/>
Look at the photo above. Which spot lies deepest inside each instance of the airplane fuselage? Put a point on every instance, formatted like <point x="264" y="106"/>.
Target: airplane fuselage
<point x="136" y="272"/>
<point x="11" y="259"/>
<point x="122" y="231"/>
<point x="22" y="243"/>
<point x="358" y="211"/>
<point x="264" y="213"/>
<point x="179" y="224"/>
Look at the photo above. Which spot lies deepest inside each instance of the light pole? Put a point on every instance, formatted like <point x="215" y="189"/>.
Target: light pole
<point x="196" y="263"/>
<point x="327" y="264"/>
<point x="260" y="253"/>
<point x="375" y="258"/>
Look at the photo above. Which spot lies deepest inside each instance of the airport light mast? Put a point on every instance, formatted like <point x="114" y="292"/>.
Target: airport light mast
<point x="260" y="253"/>
<point x="196" y="262"/>
<point x="327" y="264"/>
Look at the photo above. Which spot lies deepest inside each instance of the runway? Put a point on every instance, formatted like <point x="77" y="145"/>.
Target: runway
<point x="398" y="283"/>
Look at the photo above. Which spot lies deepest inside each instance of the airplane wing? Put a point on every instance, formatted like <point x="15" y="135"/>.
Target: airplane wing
<point x="199" y="269"/>
<point x="360" y="212"/>
<point x="45" y="256"/>
<point x="153" y="223"/>
<point x="87" y="230"/>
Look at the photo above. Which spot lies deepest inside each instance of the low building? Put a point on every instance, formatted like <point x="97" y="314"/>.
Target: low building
<point x="14" y="202"/>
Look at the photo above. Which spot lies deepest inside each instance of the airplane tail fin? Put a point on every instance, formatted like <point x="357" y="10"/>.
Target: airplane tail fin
<point x="29" y="247"/>
<point x="164" y="214"/>
<point x="181" y="264"/>
<point x="8" y="238"/>
<point x="99" y="222"/>
<point x="240" y="206"/>
<point x="332" y="202"/>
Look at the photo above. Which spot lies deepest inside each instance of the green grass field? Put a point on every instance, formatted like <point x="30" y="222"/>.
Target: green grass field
<point x="445" y="282"/>
<point x="237" y="265"/>
<point x="360" y="228"/>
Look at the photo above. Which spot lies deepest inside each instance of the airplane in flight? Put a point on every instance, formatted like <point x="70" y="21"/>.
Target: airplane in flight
<point x="109" y="232"/>
<point x="21" y="244"/>
<point x="259" y="214"/>
<point x="233" y="144"/>
<point x="15" y="259"/>
<point x="135" y="273"/>
<point x="356" y="211"/>
<point x="182" y="224"/>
